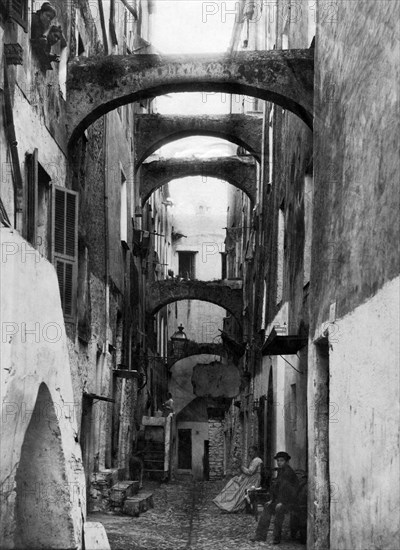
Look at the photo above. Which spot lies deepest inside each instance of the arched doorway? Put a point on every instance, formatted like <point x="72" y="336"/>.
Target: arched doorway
<point x="43" y="501"/>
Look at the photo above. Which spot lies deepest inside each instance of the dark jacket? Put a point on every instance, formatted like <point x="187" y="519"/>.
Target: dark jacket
<point x="285" y="487"/>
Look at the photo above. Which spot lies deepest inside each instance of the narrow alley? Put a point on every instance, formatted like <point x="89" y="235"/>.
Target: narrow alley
<point x="199" y="287"/>
<point x="185" y="518"/>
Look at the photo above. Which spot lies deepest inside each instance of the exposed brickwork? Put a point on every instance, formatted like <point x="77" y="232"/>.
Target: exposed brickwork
<point x="216" y="446"/>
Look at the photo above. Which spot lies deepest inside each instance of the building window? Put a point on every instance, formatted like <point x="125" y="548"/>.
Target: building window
<point x="65" y="246"/>
<point x="38" y="205"/>
<point x="223" y="265"/>
<point x="187" y="265"/>
<point x="124" y="212"/>
<point x="17" y="10"/>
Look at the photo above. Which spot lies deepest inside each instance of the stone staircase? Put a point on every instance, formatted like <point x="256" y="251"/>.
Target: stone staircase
<point x="110" y="493"/>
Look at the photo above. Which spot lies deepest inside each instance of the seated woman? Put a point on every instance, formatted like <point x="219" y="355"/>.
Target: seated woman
<point x="233" y="495"/>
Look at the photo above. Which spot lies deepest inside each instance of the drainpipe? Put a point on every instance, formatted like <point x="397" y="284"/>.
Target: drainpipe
<point x="130" y="9"/>
<point x="104" y="362"/>
<point x="13" y="144"/>
<point x="103" y="26"/>
<point x="106" y="231"/>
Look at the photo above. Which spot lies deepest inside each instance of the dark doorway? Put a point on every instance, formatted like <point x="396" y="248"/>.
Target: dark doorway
<point x="185" y="449"/>
<point x="206" y="461"/>
<point x="269" y="423"/>
<point x="262" y="427"/>
<point x="86" y="439"/>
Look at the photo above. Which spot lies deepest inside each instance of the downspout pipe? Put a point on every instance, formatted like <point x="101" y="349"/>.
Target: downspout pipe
<point x="103" y="26"/>
<point x="13" y="144"/>
<point x="130" y="9"/>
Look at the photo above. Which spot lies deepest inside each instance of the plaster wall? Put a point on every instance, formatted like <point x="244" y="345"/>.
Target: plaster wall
<point x="216" y="380"/>
<point x="364" y="413"/>
<point x="181" y="380"/>
<point x="28" y="360"/>
<point x="31" y="132"/>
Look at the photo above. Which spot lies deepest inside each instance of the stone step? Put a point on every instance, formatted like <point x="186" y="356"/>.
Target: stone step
<point x="134" y="506"/>
<point x="122" y="490"/>
<point x="95" y="536"/>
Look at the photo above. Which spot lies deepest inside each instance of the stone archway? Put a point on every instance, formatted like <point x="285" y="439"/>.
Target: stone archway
<point x="226" y="294"/>
<point x="155" y="131"/>
<point x="43" y="495"/>
<point x="240" y="174"/>
<point x="97" y="85"/>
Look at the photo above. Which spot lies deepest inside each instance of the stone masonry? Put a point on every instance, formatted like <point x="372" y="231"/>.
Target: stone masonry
<point x="216" y="442"/>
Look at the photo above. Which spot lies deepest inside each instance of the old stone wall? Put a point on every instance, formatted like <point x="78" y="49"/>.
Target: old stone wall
<point x="216" y="448"/>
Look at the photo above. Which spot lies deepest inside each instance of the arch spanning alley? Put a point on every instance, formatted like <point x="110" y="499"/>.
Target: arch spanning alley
<point x="99" y="84"/>
<point x="155" y="131"/>
<point x="237" y="172"/>
<point x="196" y="348"/>
<point x="226" y="294"/>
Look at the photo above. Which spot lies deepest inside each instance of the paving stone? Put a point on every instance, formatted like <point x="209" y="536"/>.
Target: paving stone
<point x="185" y="518"/>
<point x="95" y="536"/>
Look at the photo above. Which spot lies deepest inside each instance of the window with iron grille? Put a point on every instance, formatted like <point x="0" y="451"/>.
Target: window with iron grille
<point x="16" y="10"/>
<point x="65" y="246"/>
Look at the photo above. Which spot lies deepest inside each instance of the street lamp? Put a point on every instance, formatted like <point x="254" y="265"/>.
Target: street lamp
<point x="179" y="342"/>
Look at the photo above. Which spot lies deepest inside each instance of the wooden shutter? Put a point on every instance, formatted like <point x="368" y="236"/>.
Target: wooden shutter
<point x="65" y="246"/>
<point x="18" y="10"/>
<point x="32" y="197"/>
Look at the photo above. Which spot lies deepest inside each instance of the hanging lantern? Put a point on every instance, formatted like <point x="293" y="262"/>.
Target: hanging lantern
<point x="179" y="342"/>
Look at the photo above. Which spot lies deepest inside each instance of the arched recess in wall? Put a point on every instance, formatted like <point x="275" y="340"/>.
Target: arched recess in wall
<point x="191" y="133"/>
<point x="43" y="496"/>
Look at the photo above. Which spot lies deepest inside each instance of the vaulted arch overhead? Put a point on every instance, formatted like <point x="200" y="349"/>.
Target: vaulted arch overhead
<point x="99" y="84"/>
<point x="155" y="131"/>
<point x="226" y="294"/>
<point x="237" y="172"/>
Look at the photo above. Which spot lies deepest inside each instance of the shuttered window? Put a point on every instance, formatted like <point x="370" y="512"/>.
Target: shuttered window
<point x="65" y="246"/>
<point x="16" y="10"/>
<point x="32" y="197"/>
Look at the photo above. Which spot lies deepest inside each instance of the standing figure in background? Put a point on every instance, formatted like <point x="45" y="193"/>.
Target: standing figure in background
<point x="168" y="406"/>
<point x="232" y="498"/>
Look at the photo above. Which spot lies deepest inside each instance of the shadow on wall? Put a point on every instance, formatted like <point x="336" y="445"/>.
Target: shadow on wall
<point x="43" y="495"/>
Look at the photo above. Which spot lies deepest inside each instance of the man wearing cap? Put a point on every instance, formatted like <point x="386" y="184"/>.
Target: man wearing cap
<point x="284" y="496"/>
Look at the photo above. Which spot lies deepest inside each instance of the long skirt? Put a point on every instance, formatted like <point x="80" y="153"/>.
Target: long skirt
<point x="232" y="497"/>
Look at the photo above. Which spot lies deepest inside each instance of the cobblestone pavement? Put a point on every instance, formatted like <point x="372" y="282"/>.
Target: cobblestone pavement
<point x="184" y="518"/>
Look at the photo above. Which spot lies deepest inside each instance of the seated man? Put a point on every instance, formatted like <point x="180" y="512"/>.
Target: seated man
<point x="284" y="493"/>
